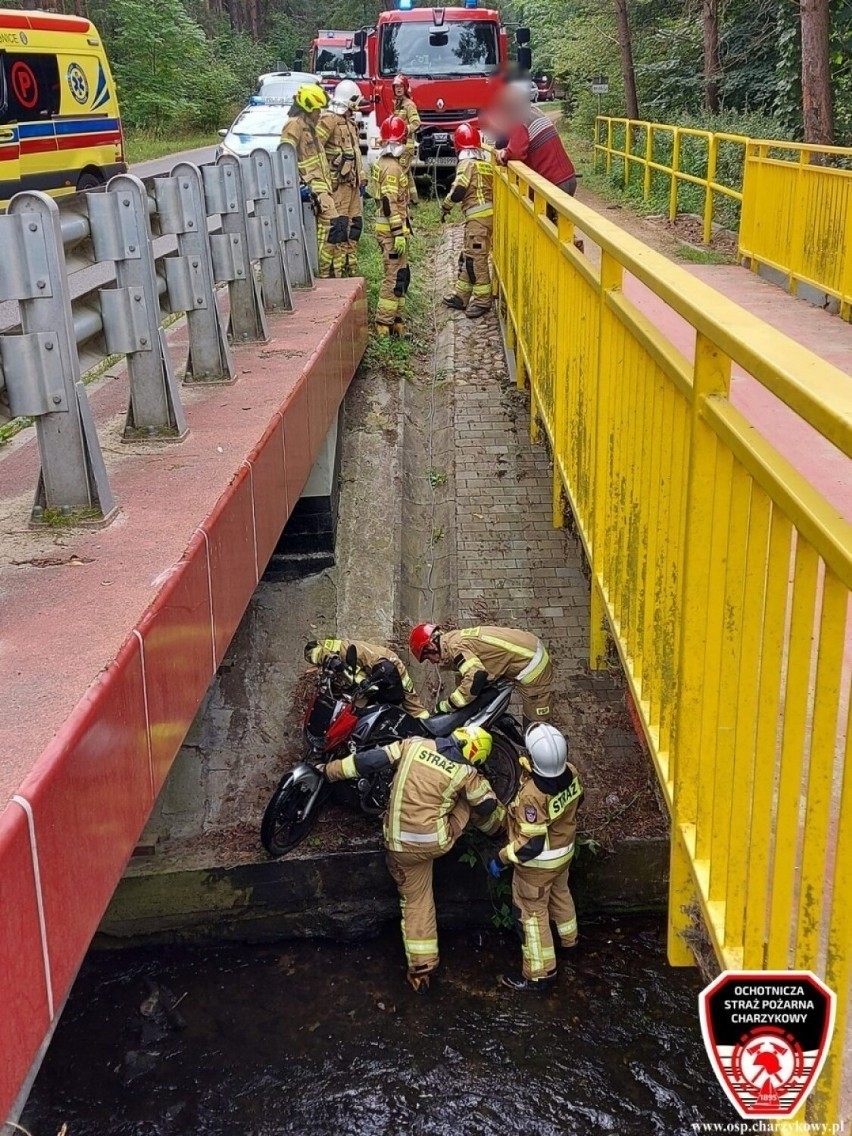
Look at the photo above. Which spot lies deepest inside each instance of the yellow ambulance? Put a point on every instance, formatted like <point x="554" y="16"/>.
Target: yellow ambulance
<point x="59" y="126"/>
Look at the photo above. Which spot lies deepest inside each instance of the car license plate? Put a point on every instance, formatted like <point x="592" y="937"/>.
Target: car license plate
<point x="439" y="161"/>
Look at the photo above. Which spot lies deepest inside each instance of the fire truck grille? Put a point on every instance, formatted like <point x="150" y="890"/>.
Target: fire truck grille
<point x="446" y="117"/>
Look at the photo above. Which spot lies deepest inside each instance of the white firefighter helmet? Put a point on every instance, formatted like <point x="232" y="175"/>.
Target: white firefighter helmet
<point x="547" y="748"/>
<point x="346" y="96"/>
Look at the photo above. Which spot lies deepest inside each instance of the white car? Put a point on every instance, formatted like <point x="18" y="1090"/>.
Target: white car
<point x="282" y="85"/>
<point x="258" y="126"/>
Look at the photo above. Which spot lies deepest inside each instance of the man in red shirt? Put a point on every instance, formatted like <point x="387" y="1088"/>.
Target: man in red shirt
<point x="533" y="139"/>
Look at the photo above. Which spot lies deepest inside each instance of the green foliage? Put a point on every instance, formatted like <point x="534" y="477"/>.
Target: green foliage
<point x="760" y="54"/>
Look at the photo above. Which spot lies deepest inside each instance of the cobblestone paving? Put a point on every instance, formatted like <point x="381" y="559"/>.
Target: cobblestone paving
<point x="514" y="568"/>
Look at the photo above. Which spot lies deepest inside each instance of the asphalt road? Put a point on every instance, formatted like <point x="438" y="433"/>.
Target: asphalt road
<point x="99" y="275"/>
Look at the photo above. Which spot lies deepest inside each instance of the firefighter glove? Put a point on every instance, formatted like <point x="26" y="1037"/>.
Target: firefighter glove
<point x="399" y="246"/>
<point x="495" y="867"/>
<point x="444" y="707"/>
<point x="305" y="192"/>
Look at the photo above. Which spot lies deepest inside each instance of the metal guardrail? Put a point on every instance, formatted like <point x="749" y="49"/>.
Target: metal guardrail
<point x="142" y="252"/>
<point x="722" y="574"/>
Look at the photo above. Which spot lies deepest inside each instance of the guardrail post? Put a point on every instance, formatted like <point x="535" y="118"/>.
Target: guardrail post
<point x="42" y="367"/>
<point x="189" y="275"/>
<point x="274" y="279"/>
<point x="232" y="254"/>
<point x="291" y="226"/>
<point x="309" y="224"/>
<point x="121" y="232"/>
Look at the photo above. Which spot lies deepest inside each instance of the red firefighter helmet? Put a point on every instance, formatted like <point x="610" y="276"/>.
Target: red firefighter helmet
<point x="394" y="129"/>
<point x="420" y="638"/>
<point x="402" y="80"/>
<point x="466" y="137"/>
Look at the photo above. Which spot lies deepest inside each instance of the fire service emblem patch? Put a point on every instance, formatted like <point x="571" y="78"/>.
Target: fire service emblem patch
<point x="767" y="1034"/>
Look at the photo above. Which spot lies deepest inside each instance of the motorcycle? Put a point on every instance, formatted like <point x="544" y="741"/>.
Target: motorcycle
<point x="344" y="717"/>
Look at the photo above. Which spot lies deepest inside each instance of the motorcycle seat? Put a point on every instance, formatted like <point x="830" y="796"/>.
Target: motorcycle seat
<point x="442" y="725"/>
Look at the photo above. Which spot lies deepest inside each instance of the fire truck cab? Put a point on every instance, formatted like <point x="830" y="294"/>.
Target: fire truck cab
<point x="333" y="57"/>
<point x="455" y="59"/>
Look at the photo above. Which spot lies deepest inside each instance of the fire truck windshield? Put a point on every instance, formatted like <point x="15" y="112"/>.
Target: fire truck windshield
<point x="330" y="61"/>
<point x="457" y="48"/>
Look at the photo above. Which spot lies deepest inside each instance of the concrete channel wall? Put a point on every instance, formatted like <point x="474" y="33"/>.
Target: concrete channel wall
<point x="428" y="466"/>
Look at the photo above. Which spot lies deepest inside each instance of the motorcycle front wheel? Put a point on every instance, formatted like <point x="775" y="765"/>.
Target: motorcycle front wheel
<point x="502" y="768"/>
<point x="285" y="822"/>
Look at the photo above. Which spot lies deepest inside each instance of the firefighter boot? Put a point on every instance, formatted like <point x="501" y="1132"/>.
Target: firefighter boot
<point x="398" y="328"/>
<point x="454" y="301"/>
<point x="527" y="985"/>
<point x="382" y="330"/>
<point x="474" y="311"/>
<point x="419" y="980"/>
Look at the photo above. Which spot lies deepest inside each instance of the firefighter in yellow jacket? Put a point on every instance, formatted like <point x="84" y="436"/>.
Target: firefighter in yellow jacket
<point x="501" y="652"/>
<point x="388" y="187"/>
<point x="542" y="827"/>
<point x="338" y="133"/>
<point x="301" y="129"/>
<point x="436" y="790"/>
<point x="368" y="656"/>
<point x="473" y="189"/>
<point x="405" y="108"/>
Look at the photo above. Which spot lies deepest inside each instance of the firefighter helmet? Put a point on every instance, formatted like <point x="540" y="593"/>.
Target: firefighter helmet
<point x="347" y="95"/>
<point x="547" y="748"/>
<point x="474" y="742"/>
<point x="420" y="638"/>
<point x="311" y="97"/>
<point x="394" y="129"/>
<point x="466" y="137"/>
<point x="402" y="81"/>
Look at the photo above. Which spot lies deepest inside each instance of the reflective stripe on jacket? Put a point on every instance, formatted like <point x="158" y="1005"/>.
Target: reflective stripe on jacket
<point x="406" y="109"/>
<point x="542" y="826"/>
<point x="475" y="179"/>
<point x="313" y="165"/>
<point x="368" y="655"/>
<point x="389" y="187"/>
<point x="339" y="136"/>
<point x="499" y="651"/>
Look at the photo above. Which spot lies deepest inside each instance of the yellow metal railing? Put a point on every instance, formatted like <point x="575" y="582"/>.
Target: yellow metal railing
<point x="721" y="574"/>
<point x="659" y="147"/>
<point x="796" y="216"/>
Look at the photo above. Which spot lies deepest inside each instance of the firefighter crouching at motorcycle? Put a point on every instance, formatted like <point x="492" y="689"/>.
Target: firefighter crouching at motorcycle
<point x="502" y="652"/>
<point x="368" y="656"/>
<point x="405" y="108"/>
<point x="436" y="790"/>
<point x="473" y="189"/>
<point x="388" y="187"/>
<point x="301" y="129"/>
<point x="338" y="133"/>
<point x="542" y="825"/>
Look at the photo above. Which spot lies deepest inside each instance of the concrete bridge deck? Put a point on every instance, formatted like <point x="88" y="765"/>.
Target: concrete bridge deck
<point x="109" y="637"/>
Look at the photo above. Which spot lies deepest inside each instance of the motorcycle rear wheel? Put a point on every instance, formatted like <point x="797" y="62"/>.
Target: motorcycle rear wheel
<point x="283" y="826"/>
<point x="502" y="768"/>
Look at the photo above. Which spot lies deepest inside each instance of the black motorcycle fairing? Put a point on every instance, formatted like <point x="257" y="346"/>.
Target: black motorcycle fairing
<point x="377" y="725"/>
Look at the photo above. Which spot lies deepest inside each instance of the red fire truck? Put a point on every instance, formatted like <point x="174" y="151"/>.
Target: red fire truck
<point x="332" y="58"/>
<point x="455" y="58"/>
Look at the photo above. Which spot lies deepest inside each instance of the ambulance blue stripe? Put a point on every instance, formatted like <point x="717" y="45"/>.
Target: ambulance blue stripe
<point x="35" y="130"/>
<point x="85" y="125"/>
<point x="66" y="126"/>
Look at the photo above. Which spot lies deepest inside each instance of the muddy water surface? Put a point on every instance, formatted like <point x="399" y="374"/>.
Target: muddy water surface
<point x="320" y="1039"/>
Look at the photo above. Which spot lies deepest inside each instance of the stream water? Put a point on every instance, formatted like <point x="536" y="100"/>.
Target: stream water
<point x="323" y="1039"/>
